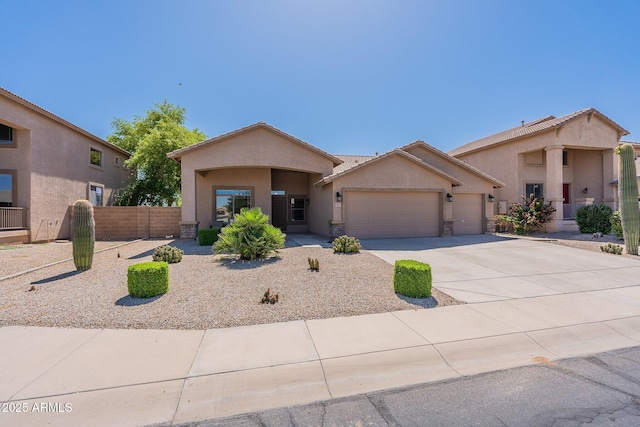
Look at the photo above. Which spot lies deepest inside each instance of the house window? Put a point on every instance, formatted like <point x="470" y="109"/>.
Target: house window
<point x="116" y="161"/>
<point x="95" y="194"/>
<point x="535" y="189"/>
<point x="298" y="209"/>
<point x="95" y="157"/>
<point x="230" y="202"/>
<point x="565" y="158"/>
<point x="6" y="137"/>
<point x="7" y="182"/>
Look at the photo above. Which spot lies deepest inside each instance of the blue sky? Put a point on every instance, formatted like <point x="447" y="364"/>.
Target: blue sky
<point x="349" y="76"/>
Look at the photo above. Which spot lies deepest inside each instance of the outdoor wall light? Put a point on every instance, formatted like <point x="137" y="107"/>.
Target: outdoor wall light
<point x="491" y="197"/>
<point x="586" y="190"/>
<point x="338" y="196"/>
<point x="449" y="197"/>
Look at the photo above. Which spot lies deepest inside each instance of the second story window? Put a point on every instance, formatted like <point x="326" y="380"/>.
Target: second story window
<point x="95" y="157"/>
<point x="6" y="136"/>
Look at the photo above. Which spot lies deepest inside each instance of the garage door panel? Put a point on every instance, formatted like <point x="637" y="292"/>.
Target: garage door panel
<point x="370" y="214"/>
<point x="467" y="214"/>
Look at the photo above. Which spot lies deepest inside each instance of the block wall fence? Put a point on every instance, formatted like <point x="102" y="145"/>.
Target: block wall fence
<point x="135" y="222"/>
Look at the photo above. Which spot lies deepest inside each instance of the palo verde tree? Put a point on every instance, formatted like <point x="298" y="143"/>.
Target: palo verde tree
<point x="156" y="179"/>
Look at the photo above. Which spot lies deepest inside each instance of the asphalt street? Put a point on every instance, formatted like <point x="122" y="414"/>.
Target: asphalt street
<point x="598" y="390"/>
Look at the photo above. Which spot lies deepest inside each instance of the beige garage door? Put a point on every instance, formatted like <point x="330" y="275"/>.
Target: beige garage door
<point x="467" y="214"/>
<point x="371" y="214"/>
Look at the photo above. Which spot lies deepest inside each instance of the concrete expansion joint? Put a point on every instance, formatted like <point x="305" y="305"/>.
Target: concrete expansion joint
<point x="315" y="348"/>
<point x="382" y="410"/>
<point x="601" y="364"/>
<point x="576" y="375"/>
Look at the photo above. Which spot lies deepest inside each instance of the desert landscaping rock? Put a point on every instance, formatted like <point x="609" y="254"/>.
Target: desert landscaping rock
<point x="205" y="291"/>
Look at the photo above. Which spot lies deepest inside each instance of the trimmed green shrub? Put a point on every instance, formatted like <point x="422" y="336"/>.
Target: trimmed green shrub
<point x="249" y="235"/>
<point x="616" y="224"/>
<point x="208" y="236"/>
<point x="148" y="279"/>
<point x="412" y="278"/>
<point x="610" y="248"/>
<point x="346" y="245"/>
<point x="594" y="218"/>
<point x="168" y="254"/>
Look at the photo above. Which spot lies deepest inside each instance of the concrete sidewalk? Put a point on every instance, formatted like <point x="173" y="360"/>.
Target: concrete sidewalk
<point x="83" y="377"/>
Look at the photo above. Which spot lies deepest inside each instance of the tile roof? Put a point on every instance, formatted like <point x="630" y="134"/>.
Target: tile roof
<point x="526" y="129"/>
<point x="349" y="161"/>
<point x="354" y="165"/>
<point x="8" y="94"/>
<point x="496" y="183"/>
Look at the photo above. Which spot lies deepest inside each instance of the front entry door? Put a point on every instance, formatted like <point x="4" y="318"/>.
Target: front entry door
<point x="279" y="212"/>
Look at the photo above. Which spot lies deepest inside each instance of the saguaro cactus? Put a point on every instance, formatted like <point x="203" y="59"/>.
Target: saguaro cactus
<point x="628" y="195"/>
<point x="83" y="233"/>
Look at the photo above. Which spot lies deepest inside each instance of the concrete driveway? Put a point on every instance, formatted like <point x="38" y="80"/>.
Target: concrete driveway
<point x="491" y="268"/>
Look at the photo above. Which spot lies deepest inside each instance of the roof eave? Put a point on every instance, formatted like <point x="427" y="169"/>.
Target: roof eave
<point x="60" y="120"/>
<point x="419" y="143"/>
<point x="178" y="153"/>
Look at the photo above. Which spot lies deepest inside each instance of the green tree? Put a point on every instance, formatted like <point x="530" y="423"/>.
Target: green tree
<point x="149" y="138"/>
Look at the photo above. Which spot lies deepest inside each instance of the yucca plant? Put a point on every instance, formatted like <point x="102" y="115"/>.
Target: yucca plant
<point x="249" y="235"/>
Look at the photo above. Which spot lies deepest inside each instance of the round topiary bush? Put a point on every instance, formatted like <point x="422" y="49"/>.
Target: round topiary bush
<point x="412" y="278"/>
<point x="148" y="279"/>
<point x="208" y="236"/>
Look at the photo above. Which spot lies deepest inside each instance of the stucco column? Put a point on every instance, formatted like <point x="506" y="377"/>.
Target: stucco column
<point x="553" y="186"/>
<point x="188" y="225"/>
<point x="609" y="175"/>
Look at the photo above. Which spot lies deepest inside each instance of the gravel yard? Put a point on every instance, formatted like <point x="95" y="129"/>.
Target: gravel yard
<point x="205" y="291"/>
<point x="17" y="258"/>
<point x="584" y="241"/>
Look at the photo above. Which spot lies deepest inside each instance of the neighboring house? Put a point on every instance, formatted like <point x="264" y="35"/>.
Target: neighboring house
<point x="46" y="164"/>
<point x="636" y="148"/>
<point x="569" y="161"/>
<point x="412" y="191"/>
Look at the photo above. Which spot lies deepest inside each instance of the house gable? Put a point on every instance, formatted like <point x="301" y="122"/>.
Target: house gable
<point x="395" y="169"/>
<point x="536" y="127"/>
<point x="258" y="145"/>
<point x="473" y="178"/>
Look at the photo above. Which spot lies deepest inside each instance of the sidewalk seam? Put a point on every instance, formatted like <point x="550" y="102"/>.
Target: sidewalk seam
<point x="431" y="344"/>
<point x="56" y="364"/>
<point x="186" y="377"/>
<point x="324" y="374"/>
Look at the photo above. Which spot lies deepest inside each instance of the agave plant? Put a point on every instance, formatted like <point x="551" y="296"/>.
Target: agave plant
<point x="249" y="235"/>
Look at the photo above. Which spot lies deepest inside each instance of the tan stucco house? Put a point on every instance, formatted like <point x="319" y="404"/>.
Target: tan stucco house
<point x="415" y="190"/>
<point x="46" y="164"/>
<point x="568" y="160"/>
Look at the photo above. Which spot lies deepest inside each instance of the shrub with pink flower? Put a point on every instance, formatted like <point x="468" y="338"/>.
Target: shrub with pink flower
<point x="529" y="215"/>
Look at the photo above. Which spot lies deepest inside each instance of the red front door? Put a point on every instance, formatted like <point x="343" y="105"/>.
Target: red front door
<point x="565" y="194"/>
